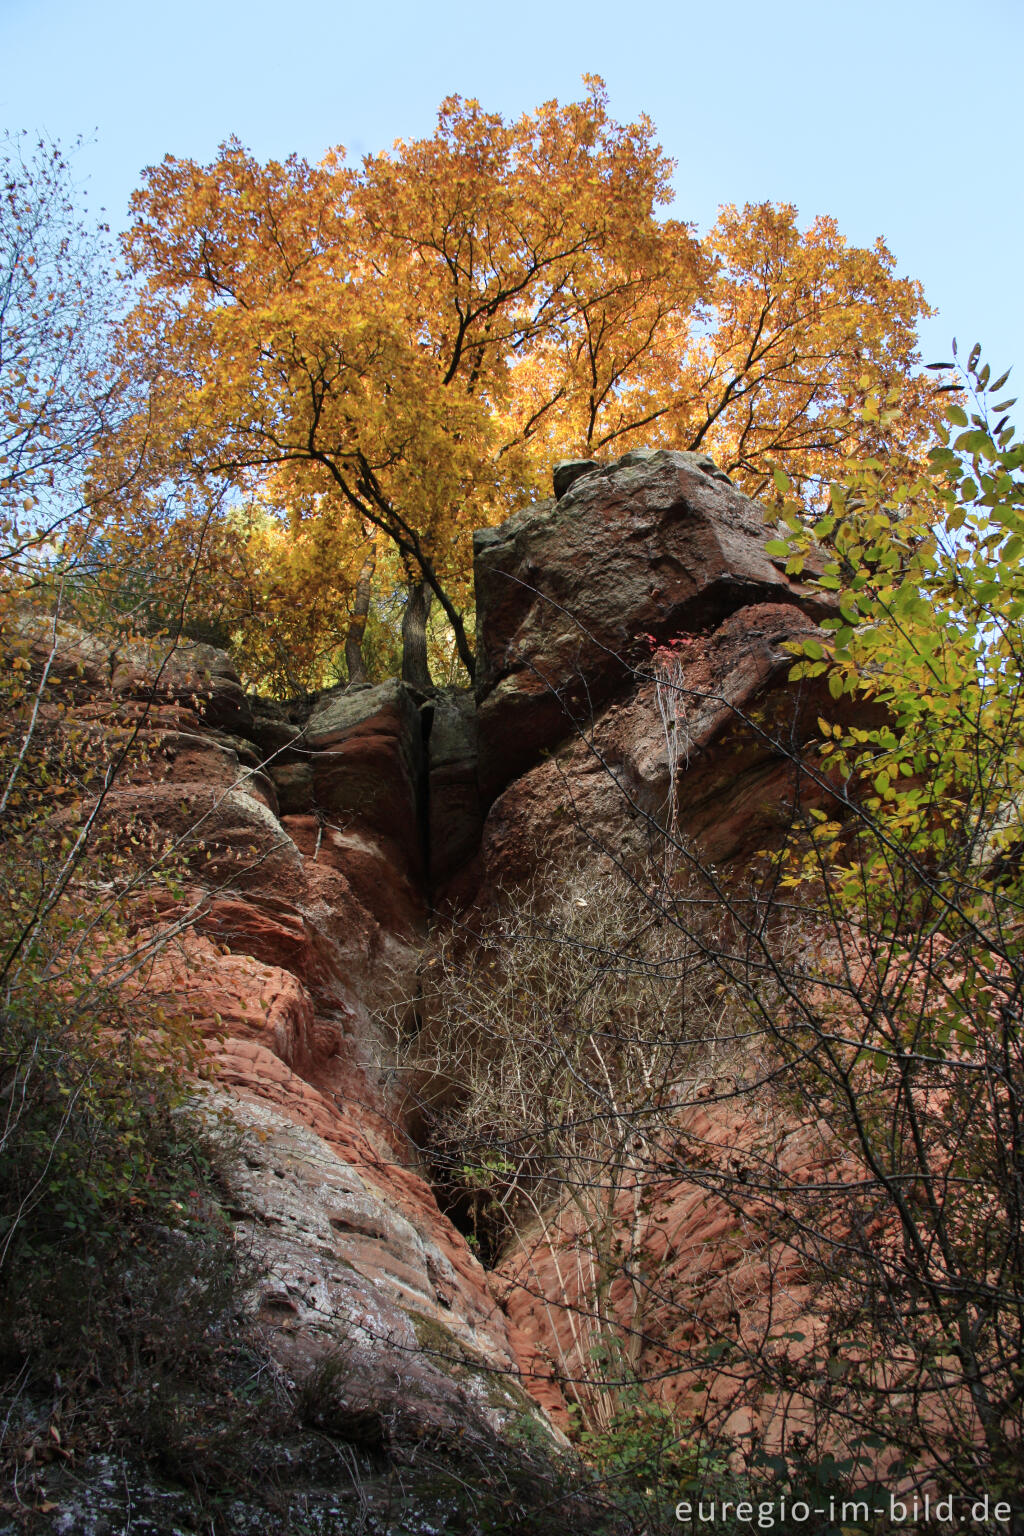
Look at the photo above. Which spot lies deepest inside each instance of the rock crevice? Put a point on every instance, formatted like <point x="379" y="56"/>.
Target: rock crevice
<point x="320" y="836"/>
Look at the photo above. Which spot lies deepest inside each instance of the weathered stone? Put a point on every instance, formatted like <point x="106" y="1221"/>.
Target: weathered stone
<point x="658" y="544"/>
<point x="206" y="758"/>
<point x="372" y="865"/>
<point x="154" y="673"/>
<point x="568" y="471"/>
<point x="317" y="834"/>
<point x="294" y="785"/>
<point x="335" y="715"/>
<point x="300" y="929"/>
<point x="709" y="774"/>
<point x="455" y="817"/>
<point x="273" y="733"/>
<point x="362" y="1232"/>
<point x="188" y="673"/>
<point x="366" y="753"/>
<point x="712" y="1282"/>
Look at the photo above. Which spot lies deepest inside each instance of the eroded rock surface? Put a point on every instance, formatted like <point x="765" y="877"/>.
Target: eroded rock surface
<point x="713" y="1303"/>
<point x="315" y="838"/>
<point x="288" y="934"/>
<point x="657" y="544"/>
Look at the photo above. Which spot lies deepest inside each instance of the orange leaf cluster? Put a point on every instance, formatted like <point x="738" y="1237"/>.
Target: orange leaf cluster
<point x="409" y="344"/>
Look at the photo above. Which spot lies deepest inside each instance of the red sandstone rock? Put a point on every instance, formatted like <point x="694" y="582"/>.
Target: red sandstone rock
<point x="655" y="544"/>
<point x="690" y="759"/>
<point x="314" y="838"/>
<point x="710" y="1278"/>
<point x="366" y="753"/>
<point x="284" y="940"/>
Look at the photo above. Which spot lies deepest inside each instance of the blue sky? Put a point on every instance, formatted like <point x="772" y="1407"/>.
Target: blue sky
<point x="900" y="117"/>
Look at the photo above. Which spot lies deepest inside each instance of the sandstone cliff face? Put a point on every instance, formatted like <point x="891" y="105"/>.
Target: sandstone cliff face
<point x="296" y="927"/>
<point x="657" y="544"/>
<point x="658" y="547"/>
<point x="319" y="838"/>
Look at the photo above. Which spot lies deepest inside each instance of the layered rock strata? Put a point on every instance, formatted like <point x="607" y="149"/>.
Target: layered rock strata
<point x="288" y="935"/>
<point x="318" y="837"/>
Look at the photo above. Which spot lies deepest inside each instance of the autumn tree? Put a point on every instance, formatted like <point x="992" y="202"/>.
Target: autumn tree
<point x="406" y="346"/>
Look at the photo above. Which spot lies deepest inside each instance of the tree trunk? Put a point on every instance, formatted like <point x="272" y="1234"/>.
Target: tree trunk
<point x="357" y="624"/>
<point x="414" y="636"/>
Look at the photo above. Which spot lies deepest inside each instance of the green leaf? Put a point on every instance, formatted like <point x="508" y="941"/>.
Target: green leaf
<point x="956" y="416"/>
<point x="941" y="457"/>
<point x="779" y="548"/>
<point x="976" y="441"/>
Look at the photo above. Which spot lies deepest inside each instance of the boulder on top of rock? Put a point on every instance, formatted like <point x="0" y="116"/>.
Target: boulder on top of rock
<point x="659" y="544"/>
<point x="567" y="471"/>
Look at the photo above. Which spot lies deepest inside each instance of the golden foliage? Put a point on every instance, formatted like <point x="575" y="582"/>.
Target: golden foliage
<point x="409" y="344"/>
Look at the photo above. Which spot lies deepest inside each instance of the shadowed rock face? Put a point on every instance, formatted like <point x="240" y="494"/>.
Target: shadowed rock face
<point x="724" y="785"/>
<point x="318" y="838"/>
<point x="657" y="544"/>
<point x="454" y="809"/>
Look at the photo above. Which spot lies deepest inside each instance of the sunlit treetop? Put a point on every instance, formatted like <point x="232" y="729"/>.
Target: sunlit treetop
<point x="408" y="345"/>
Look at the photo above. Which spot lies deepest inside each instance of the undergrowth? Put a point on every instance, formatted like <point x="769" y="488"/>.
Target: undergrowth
<point x="122" y="1311"/>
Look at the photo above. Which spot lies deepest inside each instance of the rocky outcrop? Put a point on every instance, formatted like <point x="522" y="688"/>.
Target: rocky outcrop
<point x="568" y="592"/>
<point x="313" y="839"/>
<point x="720" y="1304"/>
<point x="291" y="925"/>
<point x="687" y="757"/>
<point x="454" y="808"/>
